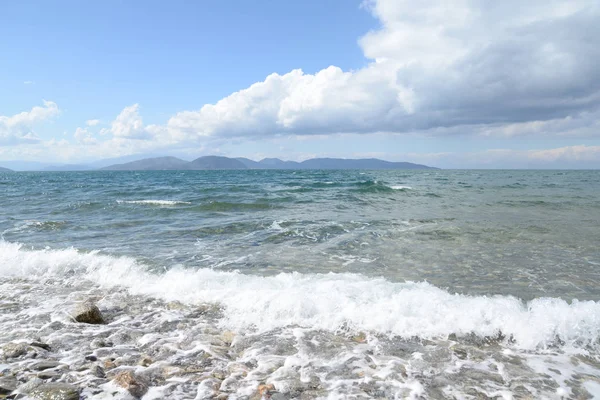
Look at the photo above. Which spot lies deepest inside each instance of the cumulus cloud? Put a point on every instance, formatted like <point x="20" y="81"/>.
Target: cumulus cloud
<point x="18" y="128"/>
<point x="92" y="122"/>
<point x="432" y="65"/>
<point x="84" y="136"/>
<point x="129" y="124"/>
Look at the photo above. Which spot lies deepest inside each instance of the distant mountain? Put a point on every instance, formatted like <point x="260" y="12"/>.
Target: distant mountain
<point x="364" y="163"/>
<point x="69" y="167"/>
<point x="279" y="164"/>
<point x="251" y="164"/>
<point x="269" y="163"/>
<point x="216" y="162"/>
<point x="20" y="165"/>
<point x="5" y="170"/>
<point x="151" y="164"/>
<point x="121" y="160"/>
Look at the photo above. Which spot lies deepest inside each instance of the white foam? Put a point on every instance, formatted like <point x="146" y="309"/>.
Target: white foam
<point x="323" y="301"/>
<point x="154" y="202"/>
<point x="400" y="187"/>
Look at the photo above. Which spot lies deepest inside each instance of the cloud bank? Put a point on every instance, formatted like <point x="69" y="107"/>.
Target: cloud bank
<point x="433" y="65"/>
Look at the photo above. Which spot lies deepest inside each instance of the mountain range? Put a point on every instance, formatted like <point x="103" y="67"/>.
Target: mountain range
<point x="217" y="162"/>
<point x="130" y="163"/>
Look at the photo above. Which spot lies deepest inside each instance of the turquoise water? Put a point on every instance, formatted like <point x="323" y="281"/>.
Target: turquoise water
<point x="524" y="233"/>
<point x="462" y="283"/>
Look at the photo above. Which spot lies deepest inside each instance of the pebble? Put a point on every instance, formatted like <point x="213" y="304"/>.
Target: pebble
<point x="55" y="391"/>
<point x="43" y="365"/>
<point x="14" y="350"/>
<point x="132" y="383"/>
<point x="88" y="313"/>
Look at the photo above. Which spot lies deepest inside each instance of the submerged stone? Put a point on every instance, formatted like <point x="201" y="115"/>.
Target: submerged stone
<point x="132" y="383"/>
<point x="14" y="350"/>
<point x="7" y="385"/>
<point x="43" y="365"/>
<point x="55" y="391"/>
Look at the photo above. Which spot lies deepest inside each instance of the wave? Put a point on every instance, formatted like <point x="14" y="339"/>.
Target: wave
<point x="400" y="187"/>
<point x="323" y="301"/>
<point x="154" y="202"/>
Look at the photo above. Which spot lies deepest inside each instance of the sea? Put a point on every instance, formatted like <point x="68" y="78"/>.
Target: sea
<point x="307" y="284"/>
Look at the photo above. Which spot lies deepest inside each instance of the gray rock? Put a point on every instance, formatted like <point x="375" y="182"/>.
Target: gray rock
<point x="43" y="365"/>
<point x="14" y="350"/>
<point x="30" y="385"/>
<point x="40" y="345"/>
<point x="134" y="384"/>
<point x="47" y="375"/>
<point x="55" y="391"/>
<point x="7" y="385"/>
<point x="100" y="343"/>
<point x="88" y="313"/>
<point x="98" y="371"/>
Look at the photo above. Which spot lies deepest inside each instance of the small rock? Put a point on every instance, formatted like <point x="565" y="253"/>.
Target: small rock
<point x="98" y="371"/>
<point x="91" y="358"/>
<point x="145" y="361"/>
<point x="55" y="391"/>
<point x="133" y="383"/>
<point x="47" y="375"/>
<point x="30" y="385"/>
<point x="109" y="364"/>
<point x="14" y="350"/>
<point x="40" y="345"/>
<point x="7" y="385"/>
<point x="100" y="343"/>
<point x="88" y="313"/>
<point x="265" y="389"/>
<point x="43" y="365"/>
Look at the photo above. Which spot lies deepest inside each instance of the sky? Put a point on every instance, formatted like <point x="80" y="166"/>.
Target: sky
<point x="452" y="84"/>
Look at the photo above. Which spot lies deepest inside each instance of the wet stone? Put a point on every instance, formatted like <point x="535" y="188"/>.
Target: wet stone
<point x="41" y="345"/>
<point x="133" y="383"/>
<point x="100" y="343"/>
<point x="98" y="371"/>
<point x="88" y="313"/>
<point x="43" y="365"/>
<point x="55" y="391"/>
<point x="47" y="375"/>
<point x="14" y="350"/>
<point x="7" y="385"/>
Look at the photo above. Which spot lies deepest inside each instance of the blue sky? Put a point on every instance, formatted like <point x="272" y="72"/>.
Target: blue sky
<point x="467" y="85"/>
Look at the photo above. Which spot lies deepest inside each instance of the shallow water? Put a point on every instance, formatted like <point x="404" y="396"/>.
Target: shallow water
<point x="325" y="284"/>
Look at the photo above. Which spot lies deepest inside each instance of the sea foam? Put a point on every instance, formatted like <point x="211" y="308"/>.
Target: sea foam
<point x="323" y="301"/>
<point x="154" y="202"/>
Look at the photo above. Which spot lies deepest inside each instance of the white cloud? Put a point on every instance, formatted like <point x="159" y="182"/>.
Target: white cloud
<point x="434" y="65"/>
<point x="28" y="82"/>
<point x="19" y="127"/>
<point x="129" y="124"/>
<point x="92" y="122"/>
<point x="84" y="136"/>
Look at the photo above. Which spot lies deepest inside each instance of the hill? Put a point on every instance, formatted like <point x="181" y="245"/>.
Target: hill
<point x="5" y="170"/>
<point x="216" y="162"/>
<point x="151" y="164"/>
